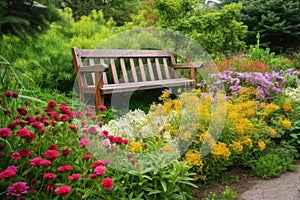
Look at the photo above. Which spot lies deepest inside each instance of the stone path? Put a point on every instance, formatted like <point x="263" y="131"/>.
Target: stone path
<point x="284" y="187"/>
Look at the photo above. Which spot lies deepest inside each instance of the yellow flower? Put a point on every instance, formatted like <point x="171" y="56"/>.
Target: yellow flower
<point x="192" y="158"/>
<point x="135" y="147"/>
<point x="168" y="148"/>
<point x="237" y="147"/>
<point x="287" y="107"/>
<point x="270" y="108"/>
<point x="248" y="142"/>
<point x="220" y="150"/>
<point x="286" y="123"/>
<point x="261" y="145"/>
<point x="272" y="132"/>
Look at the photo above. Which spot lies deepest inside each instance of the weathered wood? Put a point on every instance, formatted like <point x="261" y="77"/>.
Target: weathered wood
<point x="130" y="70"/>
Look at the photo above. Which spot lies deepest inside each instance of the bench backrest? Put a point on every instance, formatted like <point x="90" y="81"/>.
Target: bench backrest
<point x="125" y="66"/>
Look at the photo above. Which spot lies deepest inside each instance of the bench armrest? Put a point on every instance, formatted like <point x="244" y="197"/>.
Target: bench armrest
<point x="188" y="65"/>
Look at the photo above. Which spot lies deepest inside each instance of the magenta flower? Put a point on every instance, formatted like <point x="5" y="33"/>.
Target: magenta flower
<point x="92" y="176"/>
<point x="36" y="161"/>
<point x="66" y="151"/>
<point x="107" y="183"/>
<point x="51" y="154"/>
<point x="87" y="157"/>
<point x="8" y="173"/>
<point x="75" y="177"/>
<point x="106" y="143"/>
<point x="106" y="161"/>
<point x="5" y="132"/>
<point x="15" y="156"/>
<point x="12" y="167"/>
<point x="102" y="107"/>
<point x="17" y="189"/>
<point x="100" y="170"/>
<point x="45" y="163"/>
<point x="84" y="142"/>
<point x="50" y="176"/>
<point x="63" y="190"/>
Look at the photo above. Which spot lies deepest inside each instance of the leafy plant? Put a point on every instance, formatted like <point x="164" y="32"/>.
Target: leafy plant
<point x="270" y="165"/>
<point x="226" y="195"/>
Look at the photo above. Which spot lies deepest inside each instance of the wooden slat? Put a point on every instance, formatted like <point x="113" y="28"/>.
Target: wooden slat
<point x="105" y="82"/>
<point x="149" y="64"/>
<point x="100" y="53"/>
<point x="158" y="70"/>
<point x="114" y="71"/>
<point x="166" y="68"/>
<point x="124" y="71"/>
<point x="142" y="69"/>
<point x="133" y="71"/>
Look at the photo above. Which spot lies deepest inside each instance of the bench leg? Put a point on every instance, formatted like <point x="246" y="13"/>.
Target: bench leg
<point x="99" y="101"/>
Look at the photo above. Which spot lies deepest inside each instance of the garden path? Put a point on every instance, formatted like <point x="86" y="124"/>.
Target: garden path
<point x="284" y="187"/>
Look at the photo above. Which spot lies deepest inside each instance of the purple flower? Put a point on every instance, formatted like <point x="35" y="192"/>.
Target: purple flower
<point x="17" y="189"/>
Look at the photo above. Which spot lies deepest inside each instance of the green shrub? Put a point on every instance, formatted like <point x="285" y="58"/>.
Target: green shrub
<point x="228" y="194"/>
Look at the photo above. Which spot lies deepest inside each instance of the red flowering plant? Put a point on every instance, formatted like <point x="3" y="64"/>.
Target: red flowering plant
<point x="42" y="156"/>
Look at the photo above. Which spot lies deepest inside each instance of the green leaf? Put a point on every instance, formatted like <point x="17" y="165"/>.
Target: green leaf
<point x="164" y="185"/>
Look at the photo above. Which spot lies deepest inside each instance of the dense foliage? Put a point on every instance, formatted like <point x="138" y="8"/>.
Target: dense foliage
<point x="25" y="17"/>
<point x="277" y="21"/>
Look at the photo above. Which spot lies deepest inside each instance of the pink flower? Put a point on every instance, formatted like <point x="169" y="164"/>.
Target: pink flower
<point x="27" y="103"/>
<point x="84" y="142"/>
<point x="17" y="189"/>
<point x="66" y="151"/>
<point x="65" y="168"/>
<point x="51" y="154"/>
<point x="73" y="127"/>
<point x="36" y="161"/>
<point x="129" y="155"/>
<point x="49" y="187"/>
<point x="87" y="157"/>
<point x="22" y="111"/>
<point x="100" y="170"/>
<point x="8" y="173"/>
<point x="107" y="183"/>
<point x="92" y="176"/>
<point x="24" y="133"/>
<point x="97" y="163"/>
<point x="12" y="167"/>
<point x="45" y="163"/>
<point x="50" y="176"/>
<point x="83" y="123"/>
<point x="5" y="132"/>
<point x="8" y="94"/>
<point x="106" y="143"/>
<point x="15" y="156"/>
<point x="100" y="123"/>
<point x="53" y="147"/>
<point x="25" y="152"/>
<point x="52" y="104"/>
<point x="102" y="107"/>
<point x="125" y="141"/>
<point x="74" y="177"/>
<point x="63" y="190"/>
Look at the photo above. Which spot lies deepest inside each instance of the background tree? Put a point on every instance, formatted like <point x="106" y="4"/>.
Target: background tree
<point x="25" y="17"/>
<point x="277" y="22"/>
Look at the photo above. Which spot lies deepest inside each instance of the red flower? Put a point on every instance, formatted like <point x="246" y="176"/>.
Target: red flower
<point x="27" y="103"/>
<point x="102" y="107"/>
<point x="65" y="168"/>
<point x="74" y="177"/>
<point x="22" y="111"/>
<point x="24" y="133"/>
<point x="7" y="112"/>
<point x="125" y="141"/>
<point x="5" y="132"/>
<point x="107" y="183"/>
<point x="97" y="163"/>
<point x="36" y="161"/>
<point x="51" y="154"/>
<point x="52" y="104"/>
<point x="63" y="190"/>
<point x="87" y="157"/>
<point x="25" y="152"/>
<point x="52" y="147"/>
<point x="66" y="151"/>
<point x="92" y="176"/>
<point x="73" y="127"/>
<point x="8" y="173"/>
<point x="45" y="163"/>
<point x="50" y="176"/>
<point x="15" y="156"/>
<point x="8" y="94"/>
<point x="12" y="125"/>
<point x="100" y="170"/>
<point x="15" y="95"/>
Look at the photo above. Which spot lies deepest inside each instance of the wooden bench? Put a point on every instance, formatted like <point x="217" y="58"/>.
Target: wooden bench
<point x="103" y="72"/>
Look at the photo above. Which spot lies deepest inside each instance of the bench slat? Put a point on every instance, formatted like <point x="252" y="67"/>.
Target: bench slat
<point x="124" y="71"/>
<point x="166" y="68"/>
<point x="149" y="64"/>
<point x="114" y="71"/>
<point x="158" y="70"/>
<point x="105" y="82"/>
<point x="133" y="71"/>
<point x="142" y="69"/>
